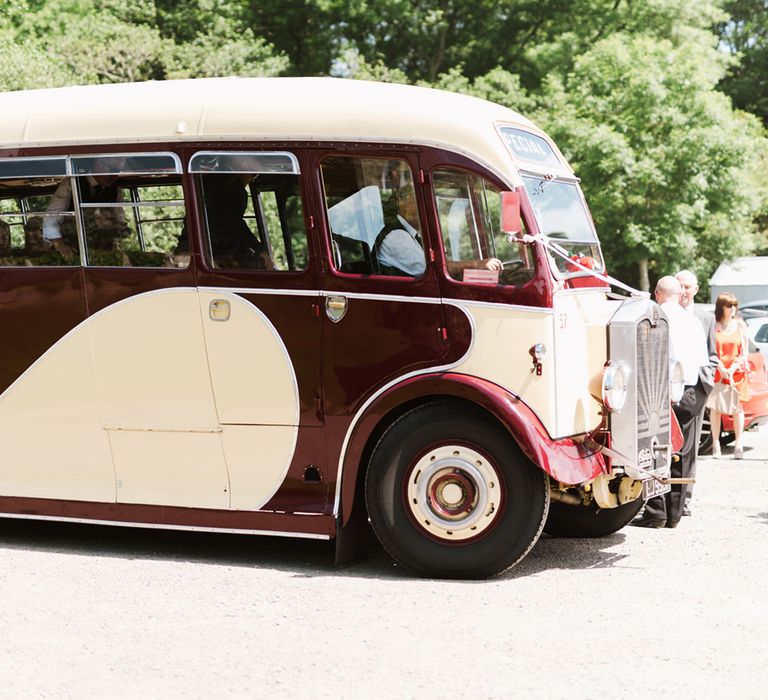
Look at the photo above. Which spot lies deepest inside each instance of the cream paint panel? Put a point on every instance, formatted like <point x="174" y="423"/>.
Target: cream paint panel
<point x="51" y="441"/>
<point x="257" y="460"/>
<point x="503" y="336"/>
<point x="170" y="468"/>
<point x="253" y="380"/>
<point x="580" y="353"/>
<point x="150" y="362"/>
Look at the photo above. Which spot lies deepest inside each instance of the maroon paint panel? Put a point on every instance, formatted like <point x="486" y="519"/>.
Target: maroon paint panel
<point x="377" y="341"/>
<point x="38" y="306"/>
<point x="566" y="461"/>
<point x="171" y="516"/>
<point x="105" y="286"/>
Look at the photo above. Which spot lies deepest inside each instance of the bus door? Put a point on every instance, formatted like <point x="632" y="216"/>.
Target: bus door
<point x="51" y="445"/>
<point x="382" y="312"/>
<point x="259" y="304"/>
<point x="147" y="343"/>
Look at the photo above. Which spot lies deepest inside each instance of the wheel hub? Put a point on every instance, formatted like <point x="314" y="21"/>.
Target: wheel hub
<point x="453" y="492"/>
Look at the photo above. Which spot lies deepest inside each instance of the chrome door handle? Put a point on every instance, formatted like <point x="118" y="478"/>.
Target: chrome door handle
<point x="335" y="308"/>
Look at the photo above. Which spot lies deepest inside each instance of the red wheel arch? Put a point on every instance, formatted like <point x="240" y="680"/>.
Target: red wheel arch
<point x="565" y="460"/>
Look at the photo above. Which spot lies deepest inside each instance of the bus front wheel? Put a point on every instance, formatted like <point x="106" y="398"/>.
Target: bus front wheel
<point x="449" y="494"/>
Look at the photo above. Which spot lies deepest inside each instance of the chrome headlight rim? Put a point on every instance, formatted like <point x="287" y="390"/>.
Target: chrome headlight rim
<point x="615" y="385"/>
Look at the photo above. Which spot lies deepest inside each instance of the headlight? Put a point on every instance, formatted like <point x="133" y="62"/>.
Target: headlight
<point x="615" y="384"/>
<point x="676" y="380"/>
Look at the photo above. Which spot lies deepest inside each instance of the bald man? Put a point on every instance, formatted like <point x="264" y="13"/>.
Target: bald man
<point x="687" y="345"/>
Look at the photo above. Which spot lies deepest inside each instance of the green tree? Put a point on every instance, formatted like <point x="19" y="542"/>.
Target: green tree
<point x="92" y="41"/>
<point x="673" y="174"/>
<point x="745" y="35"/>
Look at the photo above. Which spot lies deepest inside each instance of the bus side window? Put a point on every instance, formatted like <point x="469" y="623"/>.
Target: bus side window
<point x="469" y="210"/>
<point x="132" y="209"/>
<point x="28" y="188"/>
<point x="373" y="216"/>
<point x="253" y="210"/>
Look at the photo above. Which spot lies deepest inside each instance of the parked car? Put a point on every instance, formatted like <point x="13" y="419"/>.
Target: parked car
<point x="755" y="409"/>
<point x="754" y="309"/>
<point x="757" y="328"/>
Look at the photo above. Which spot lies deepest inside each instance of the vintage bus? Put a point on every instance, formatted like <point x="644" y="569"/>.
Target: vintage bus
<point x="300" y="306"/>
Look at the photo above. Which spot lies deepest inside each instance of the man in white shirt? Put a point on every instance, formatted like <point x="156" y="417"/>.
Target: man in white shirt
<point x="398" y="247"/>
<point x="689" y="287"/>
<point x="687" y="345"/>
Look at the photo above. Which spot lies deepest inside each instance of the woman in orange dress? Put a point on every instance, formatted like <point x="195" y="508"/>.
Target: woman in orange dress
<point x="731" y="374"/>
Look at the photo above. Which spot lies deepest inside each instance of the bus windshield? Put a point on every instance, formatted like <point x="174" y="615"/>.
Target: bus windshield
<point x="560" y="214"/>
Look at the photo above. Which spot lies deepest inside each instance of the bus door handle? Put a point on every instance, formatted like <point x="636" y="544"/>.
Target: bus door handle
<point x="218" y="310"/>
<point x="335" y="307"/>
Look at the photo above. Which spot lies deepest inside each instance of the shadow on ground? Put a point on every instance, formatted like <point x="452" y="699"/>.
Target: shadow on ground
<point x="304" y="558"/>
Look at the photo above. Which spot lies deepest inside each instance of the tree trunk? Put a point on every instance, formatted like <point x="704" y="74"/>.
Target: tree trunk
<point x="645" y="283"/>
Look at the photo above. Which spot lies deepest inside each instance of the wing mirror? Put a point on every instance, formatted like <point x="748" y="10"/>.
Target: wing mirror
<point x="510" y="213"/>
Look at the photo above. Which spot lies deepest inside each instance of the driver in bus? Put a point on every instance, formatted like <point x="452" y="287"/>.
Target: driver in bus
<point x="398" y="246"/>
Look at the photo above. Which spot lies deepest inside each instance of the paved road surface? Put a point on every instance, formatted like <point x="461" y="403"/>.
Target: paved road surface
<point x="112" y="612"/>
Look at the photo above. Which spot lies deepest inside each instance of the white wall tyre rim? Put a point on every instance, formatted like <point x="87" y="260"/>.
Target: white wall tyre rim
<point x="454" y="493"/>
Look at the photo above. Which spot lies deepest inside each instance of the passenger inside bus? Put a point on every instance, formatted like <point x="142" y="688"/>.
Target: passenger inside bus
<point x="233" y="244"/>
<point x="103" y="225"/>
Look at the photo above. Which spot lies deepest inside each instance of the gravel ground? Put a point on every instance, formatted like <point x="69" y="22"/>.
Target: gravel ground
<point x="113" y="612"/>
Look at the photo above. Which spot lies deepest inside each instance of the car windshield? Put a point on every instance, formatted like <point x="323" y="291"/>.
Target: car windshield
<point x="562" y="217"/>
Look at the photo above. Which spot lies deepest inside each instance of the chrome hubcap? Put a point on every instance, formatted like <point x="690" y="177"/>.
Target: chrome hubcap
<point x="454" y="492"/>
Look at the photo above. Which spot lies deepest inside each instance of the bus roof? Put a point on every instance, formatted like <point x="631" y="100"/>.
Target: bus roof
<point x="258" y="109"/>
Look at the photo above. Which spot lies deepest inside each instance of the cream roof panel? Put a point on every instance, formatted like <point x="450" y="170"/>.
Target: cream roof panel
<point x="315" y="109"/>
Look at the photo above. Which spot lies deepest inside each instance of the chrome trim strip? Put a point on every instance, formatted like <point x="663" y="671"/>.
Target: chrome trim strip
<point x="193" y="170"/>
<point x="155" y="526"/>
<point x="322" y="293"/>
<point x="133" y="154"/>
<point x="263" y="291"/>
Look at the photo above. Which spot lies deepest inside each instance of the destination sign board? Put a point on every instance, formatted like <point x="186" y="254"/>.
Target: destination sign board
<point x="530" y="147"/>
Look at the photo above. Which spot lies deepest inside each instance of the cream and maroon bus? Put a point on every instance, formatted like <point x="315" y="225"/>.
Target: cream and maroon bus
<point x="297" y="306"/>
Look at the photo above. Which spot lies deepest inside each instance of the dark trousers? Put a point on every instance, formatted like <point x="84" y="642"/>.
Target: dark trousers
<point x="699" y="426"/>
<point x="688" y="412"/>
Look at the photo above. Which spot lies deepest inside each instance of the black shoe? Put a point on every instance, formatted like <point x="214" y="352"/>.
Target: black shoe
<point x="673" y="523"/>
<point x="645" y="521"/>
<point x="686" y="511"/>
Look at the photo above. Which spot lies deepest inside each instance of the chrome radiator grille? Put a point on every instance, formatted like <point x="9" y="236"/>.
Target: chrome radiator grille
<point x="638" y="336"/>
<point x="652" y="379"/>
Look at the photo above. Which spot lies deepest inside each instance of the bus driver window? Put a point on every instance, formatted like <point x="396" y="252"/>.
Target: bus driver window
<point x="373" y="216"/>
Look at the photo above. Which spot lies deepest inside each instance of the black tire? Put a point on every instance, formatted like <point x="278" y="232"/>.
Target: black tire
<point x="450" y="495"/>
<point x="589" y="521"/>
